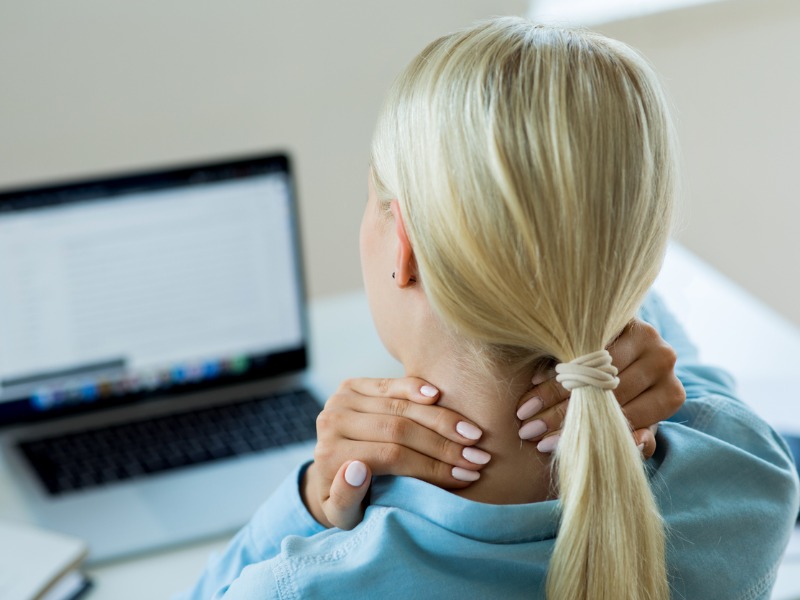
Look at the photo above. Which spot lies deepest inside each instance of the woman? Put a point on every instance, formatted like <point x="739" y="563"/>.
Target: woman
<point x="521" y="189"/>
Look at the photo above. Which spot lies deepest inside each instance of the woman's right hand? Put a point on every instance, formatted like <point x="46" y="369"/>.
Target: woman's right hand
<point x="385" y="427"/>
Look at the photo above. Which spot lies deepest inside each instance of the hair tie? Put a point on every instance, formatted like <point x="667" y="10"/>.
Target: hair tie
<point x="591" y="369"/>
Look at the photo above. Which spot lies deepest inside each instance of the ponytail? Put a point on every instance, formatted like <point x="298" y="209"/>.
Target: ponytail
<point x="535" y="169"/>
<point x="610" y="544"/>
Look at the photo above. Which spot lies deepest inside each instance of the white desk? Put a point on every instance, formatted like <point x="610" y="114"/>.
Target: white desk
<point x="731" y="328"/>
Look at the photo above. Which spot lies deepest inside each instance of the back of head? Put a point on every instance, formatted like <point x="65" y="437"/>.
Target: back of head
<point x="535" y="170"/>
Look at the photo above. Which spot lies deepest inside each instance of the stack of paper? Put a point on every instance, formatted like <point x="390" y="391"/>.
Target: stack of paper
<point x="39" y="565"/>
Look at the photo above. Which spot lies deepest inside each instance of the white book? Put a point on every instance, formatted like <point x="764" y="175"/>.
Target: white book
<point x="39" y="565"/>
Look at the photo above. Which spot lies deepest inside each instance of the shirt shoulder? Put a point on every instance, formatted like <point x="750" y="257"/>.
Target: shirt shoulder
<point x="728" y="490"/>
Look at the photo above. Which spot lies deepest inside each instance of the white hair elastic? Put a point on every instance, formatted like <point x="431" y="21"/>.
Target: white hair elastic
<point x="590" y="369"/>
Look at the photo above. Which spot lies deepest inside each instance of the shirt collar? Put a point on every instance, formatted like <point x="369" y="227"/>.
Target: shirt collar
<point x="500" y="524"/>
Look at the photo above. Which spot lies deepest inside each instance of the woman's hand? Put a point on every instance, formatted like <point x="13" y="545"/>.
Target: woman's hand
<point x="648" y="391"/>
<point x="393" y="426"/>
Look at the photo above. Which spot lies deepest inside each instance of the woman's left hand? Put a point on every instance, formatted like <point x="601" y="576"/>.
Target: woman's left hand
<point x="648" y="391"/>
<point x="385" y="427"/>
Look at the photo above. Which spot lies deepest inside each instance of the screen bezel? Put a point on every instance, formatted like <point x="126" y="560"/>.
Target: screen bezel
<point x="288" y="361"/>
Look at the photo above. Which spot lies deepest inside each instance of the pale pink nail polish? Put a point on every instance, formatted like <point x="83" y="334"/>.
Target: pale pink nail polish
<point x="476" y="456"/>
<point x="538" y="378"/>
<point x="355" y="473"/>
<point x="468" y="430"/>
<point x="464" y="474"/>
<point x="530" y="408"/>
<point x="428" y="391"/>
<point x="532" y="430"/>
<point x="548" y="444"/>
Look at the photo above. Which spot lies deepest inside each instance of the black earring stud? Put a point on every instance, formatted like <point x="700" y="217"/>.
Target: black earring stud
<point x="411" y="279"/>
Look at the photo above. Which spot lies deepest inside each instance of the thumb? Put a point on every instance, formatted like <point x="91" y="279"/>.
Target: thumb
<point x="348" y="490"/>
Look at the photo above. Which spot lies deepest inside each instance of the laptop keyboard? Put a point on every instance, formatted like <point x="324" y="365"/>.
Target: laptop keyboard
<point x="99" y="456"/>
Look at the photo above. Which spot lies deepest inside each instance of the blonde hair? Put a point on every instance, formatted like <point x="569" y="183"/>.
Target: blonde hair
<point x="535" y="169"/>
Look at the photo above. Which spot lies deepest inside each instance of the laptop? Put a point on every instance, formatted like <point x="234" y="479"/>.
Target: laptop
<point x="153" y="351"/>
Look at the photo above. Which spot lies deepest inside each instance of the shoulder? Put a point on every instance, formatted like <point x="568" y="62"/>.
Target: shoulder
<point x="315" y="566"/>
<point x="728" y="491"/>
<point x="413" y="551"/>
<point x="729" y="428"/>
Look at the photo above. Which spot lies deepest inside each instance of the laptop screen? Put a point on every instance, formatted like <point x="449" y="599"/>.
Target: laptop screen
<point x="117" y="289"/>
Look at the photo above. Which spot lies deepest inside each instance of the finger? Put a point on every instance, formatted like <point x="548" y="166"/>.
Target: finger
<point x="632" y="342"/>
<point x="409" y="388"/>
<point x="386" y="458"/>
<point x="393" y="459"/>
<point x="642" y="402"/>
<point x="542" y="376"/>
<point x="547" y="421"/>
<point x="653" y="369"/>
<point x="445" y="422"/>
<point x="646" y="441"/>
<point x="349" y="488"/>
<point x="657" y="404"/>
<point x="550" y="415"/>
<point x="548" y="444"/>
<point x="546" y="392"/>
<point x="369" y="427"/>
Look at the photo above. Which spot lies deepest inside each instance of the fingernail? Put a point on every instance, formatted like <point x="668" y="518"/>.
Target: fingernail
<point x="476" y="456"/>
<point x="539" y="378"/>
<point x="548" y="444"/>
<point x="530" y="408"/>
<point x="532" y="430"/>
<point x="465" y="475"/>
<point x="468" y="430"/>
<point x="428" y="390"/>
<point x="640" y="447"/>
<point x="355" y="473"/>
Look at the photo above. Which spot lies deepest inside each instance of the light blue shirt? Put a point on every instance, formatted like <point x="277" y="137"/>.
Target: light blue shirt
<point x="724" y="481"/>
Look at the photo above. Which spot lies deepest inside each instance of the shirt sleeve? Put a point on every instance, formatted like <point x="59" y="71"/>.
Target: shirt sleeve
<point x="283" y="514"/>
<point x="752" y="469"/>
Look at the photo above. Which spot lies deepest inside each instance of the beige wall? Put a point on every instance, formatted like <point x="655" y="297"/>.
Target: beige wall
<point x="99" y="85"/>
<point x="733" y="71"/>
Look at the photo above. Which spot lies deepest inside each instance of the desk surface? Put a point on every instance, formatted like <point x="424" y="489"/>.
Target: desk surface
<point x="727" y="323"/>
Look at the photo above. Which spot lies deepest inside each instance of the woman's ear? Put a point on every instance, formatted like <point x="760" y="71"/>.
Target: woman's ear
<point x="405" y="265"/>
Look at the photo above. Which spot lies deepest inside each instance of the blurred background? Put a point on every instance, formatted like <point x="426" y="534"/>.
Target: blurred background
<point x="100" y="86"/>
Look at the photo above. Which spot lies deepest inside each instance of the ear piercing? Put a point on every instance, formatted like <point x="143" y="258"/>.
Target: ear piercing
<point x="412" y="279"/>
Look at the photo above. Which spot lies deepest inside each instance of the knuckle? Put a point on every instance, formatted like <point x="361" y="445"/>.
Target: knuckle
<point x="336" y="399"/>
<point x="397" y="407"/>
<point x="647" y="331"/>
<point x="560" y="411"/>
<point x="679" y="396"/>
<point x="325" y="420"/>
<point x="670" y="356"/>
<point x="555" y="391"/>
<point x="446" y="449"/>
<point x="663" y="358"/>
<point x="442" y="421"/>
<point x="347" y="384"/>
<point x="439" y="472"/>
<point x="322" y="453"/>
<point x="390" y="454"/>
<point x="383" y="385"/>
<point x="396" y="429"/>
<point x="338" y="500"/>
<point x="323" y="417"/>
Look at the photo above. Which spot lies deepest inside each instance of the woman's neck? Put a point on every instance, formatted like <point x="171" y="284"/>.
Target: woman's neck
<point x="517" y="473"/>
